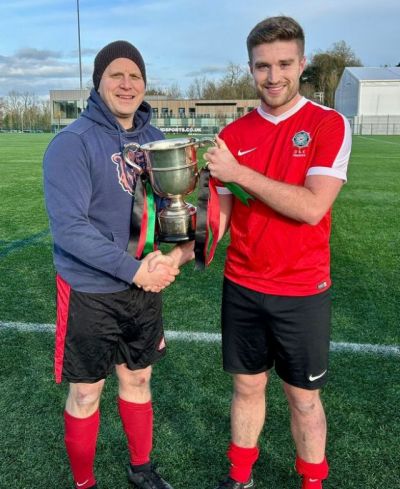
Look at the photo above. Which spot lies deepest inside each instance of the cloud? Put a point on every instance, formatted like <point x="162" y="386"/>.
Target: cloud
<point x="85" y="52"/>
<point x="34" y="63"/>
<point x="207" y="70"/>
<point x="36" y="54"/>
<point x="40" y="70"/>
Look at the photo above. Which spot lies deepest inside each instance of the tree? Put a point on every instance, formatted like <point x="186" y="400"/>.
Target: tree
<point x="13" y="110"/>
<point x="152" y="90"/>
<point x="237" y="83"/>
<point x="197" y="88"/>
<point x="29" y="110"/>
<point x="2" y="112"/>
<point x="44" y="116"/>
<point x="173" y="91"/>
<point x="23" y="112"/>
<point x="326" y="67"/>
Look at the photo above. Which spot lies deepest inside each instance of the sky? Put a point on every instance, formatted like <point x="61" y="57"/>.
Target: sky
<point x="180" y="40"/>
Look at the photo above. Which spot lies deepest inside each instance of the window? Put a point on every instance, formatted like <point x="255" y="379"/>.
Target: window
<point x="65" y="109"/>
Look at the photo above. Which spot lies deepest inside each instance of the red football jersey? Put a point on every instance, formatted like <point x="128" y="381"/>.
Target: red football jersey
<point x="269" y="252"/>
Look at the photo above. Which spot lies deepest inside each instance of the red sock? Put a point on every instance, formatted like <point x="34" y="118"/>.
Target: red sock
<point x="80" y="441"/>
<point x="137" y="420"/>
<point x="313" y="474"/>
<point x="242" y="461"/>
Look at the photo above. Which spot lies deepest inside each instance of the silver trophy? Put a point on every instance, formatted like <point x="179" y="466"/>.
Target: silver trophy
<point x="172" y="168"/>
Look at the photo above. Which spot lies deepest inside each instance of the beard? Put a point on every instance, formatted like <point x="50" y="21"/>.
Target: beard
<point x="274" y="102"/>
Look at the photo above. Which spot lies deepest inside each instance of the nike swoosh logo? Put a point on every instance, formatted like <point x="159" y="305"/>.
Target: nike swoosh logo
<point x="311" y="378"/>
<point x="313" y="480"/>
<point x="82" y="484"/>
<point x="241" y="153"/>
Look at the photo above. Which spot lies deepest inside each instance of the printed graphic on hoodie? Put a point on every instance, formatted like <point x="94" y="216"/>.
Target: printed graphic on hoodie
<point x="126" y="174"/>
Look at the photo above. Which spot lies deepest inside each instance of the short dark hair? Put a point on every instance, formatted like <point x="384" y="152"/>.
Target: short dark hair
<point x="274" y="29"/>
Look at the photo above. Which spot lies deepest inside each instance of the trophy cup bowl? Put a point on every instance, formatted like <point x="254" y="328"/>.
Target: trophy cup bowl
<point x="172" y="168"/>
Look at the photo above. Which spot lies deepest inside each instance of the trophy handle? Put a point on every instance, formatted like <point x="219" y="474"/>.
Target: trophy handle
<point x="127" y="153"/>
<point x="205" y="141"/>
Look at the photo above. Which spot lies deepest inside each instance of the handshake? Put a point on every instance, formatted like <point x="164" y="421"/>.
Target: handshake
<point x="157" y="271"/>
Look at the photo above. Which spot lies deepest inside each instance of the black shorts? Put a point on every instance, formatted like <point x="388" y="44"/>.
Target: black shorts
<point x="292" y="334"/>
<point x="95" y="332"/>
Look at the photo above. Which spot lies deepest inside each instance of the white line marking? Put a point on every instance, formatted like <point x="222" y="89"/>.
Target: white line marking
<point x="216" y="338"/>
<point x="30" y="327"/>
<point x="368" y="138"/>
<point x="363" y="157"/>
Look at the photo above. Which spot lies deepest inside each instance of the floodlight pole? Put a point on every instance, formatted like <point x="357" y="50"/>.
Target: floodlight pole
<point x="79" y="45"/>
<point x="80" y="54"/>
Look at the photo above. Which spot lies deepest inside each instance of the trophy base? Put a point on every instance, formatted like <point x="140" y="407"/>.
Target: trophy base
<point x="175" y="238"/>
<point x="177" y="226"/>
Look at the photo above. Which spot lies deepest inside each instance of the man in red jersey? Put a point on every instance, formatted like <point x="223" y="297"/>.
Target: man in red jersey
<point x="291" y="155"/>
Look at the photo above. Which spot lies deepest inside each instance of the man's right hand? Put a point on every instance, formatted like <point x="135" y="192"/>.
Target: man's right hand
<point x="163" y="272"/>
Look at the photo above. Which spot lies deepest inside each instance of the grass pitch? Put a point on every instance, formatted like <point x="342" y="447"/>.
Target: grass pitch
<point x="191" y="393"/>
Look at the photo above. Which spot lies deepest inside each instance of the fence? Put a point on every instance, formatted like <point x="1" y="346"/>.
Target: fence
<point x="375" y="125"/>
<point x="363" y="125"/>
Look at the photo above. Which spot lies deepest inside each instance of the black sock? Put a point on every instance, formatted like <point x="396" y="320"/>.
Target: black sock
<point x="141" y="468"/>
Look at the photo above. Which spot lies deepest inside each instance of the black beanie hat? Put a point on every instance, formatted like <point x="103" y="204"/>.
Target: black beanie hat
<point x="114" y="50"/>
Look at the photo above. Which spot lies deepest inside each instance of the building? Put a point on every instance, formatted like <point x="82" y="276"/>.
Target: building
<point x="170" y="115"/>
<point x="370" y="99"/>
<point x="65" y="106"/>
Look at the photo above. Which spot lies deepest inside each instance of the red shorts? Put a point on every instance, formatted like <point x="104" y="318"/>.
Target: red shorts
<point x="95" y="332"/>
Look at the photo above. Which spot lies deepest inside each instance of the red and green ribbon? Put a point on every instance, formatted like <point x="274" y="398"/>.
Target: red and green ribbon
<point x="212" y="223"/>
<point x="143" y="220"/>
<point x="207" y="226"/>
<point x="238" y="192"/>
<point x="151" y="219"/>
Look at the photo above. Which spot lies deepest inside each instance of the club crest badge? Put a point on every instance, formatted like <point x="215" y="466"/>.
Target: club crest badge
<point x="301" y="139"/>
